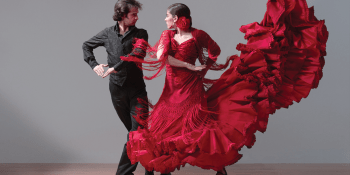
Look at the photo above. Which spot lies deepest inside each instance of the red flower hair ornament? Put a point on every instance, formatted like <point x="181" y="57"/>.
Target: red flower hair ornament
<point x="183" y="23"/>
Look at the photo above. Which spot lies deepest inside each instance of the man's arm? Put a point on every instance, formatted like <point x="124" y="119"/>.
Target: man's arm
<point x="89" y="46"/>
<point x="142" y="34"/>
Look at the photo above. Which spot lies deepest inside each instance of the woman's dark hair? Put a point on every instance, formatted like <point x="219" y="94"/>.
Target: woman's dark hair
<point x="179" y="10"/>
<point x="122" y="8"/>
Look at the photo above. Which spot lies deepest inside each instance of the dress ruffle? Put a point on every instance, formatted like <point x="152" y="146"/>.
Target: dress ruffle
<point x="281" y="62"/>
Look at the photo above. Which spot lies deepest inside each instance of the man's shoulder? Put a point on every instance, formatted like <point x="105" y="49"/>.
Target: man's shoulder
<point x="141" y="33"/>
<point x="111" y="28"/>
<point x="106" y="30"/>
<point x="141" y="30"/>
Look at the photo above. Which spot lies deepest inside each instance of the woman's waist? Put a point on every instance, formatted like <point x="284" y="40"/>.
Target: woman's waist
<point x="178" y="71"/>
<point x="188" y="58"/>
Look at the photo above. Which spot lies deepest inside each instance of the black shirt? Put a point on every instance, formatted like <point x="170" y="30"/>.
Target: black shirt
<point x="117" y="45"/>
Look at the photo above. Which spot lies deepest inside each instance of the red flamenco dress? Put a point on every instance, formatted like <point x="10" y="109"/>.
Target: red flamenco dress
<point x="281" y="62"/>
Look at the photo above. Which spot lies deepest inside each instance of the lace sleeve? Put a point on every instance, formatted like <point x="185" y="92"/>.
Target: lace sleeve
<point x="209" y="47"/>
<point x="209" y="50"/>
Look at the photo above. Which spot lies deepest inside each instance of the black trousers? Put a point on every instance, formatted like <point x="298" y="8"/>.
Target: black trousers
<point x="125" y="101"/>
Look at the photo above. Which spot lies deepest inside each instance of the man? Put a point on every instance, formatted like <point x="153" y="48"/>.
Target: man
<point x="126" y="79"/>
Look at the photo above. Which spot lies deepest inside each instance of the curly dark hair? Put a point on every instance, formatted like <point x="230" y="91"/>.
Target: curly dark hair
<point x="179" y="10"/>
<point x="122" y="8"/>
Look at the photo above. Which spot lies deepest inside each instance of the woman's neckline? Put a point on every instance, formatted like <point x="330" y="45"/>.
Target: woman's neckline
<point x="183" y="41"/>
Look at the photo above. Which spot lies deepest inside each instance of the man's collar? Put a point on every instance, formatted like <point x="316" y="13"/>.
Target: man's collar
<point x="118" y="31"/>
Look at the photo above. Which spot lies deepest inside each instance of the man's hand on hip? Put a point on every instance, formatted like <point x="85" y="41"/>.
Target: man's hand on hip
<point x="99" y="69"/>
<point x="109" y="71"/>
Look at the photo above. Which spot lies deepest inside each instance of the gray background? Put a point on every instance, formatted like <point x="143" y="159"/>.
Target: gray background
<point x="55" y="109"/>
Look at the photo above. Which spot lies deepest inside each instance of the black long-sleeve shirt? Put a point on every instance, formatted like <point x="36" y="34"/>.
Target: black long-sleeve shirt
<point x="117" y="45"/>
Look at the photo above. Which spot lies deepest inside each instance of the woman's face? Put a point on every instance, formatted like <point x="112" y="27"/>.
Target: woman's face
<point x="169" y="20"/>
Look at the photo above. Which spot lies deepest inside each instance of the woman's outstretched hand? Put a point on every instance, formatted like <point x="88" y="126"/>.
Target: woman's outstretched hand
<point x="195" y="68"/>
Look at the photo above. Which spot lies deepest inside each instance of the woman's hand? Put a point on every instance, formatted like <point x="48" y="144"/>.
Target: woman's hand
<point x="195" y="68"/>
<point x="202" y="73"/>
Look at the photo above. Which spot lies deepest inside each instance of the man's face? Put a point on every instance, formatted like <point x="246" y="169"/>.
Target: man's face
<point x="131" y="18"/>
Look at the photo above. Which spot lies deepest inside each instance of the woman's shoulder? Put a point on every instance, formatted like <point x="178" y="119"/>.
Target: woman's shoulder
<point x="198" y="32"/>
<point x="168" y="31"/>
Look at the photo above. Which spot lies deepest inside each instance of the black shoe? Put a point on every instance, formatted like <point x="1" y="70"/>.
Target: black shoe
<point x="220" y="173"/>
<point x="149" y="173"/>
<point x="166" y="174"/>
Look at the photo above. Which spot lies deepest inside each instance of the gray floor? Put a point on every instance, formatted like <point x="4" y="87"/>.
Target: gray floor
<point x="237" y="169"/>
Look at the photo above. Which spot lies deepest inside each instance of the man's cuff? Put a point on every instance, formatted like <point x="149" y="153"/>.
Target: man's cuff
<point x="91" y="61"/>
<point x="93" y="64"/>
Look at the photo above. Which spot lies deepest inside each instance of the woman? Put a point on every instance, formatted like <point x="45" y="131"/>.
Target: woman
<point x="281" y="63"/>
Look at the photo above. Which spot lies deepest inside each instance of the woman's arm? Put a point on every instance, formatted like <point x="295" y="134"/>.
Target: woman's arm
<point x="160" y="51"/>
<point x="177" y="63"/>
